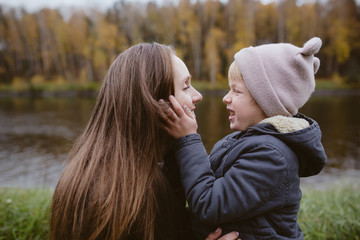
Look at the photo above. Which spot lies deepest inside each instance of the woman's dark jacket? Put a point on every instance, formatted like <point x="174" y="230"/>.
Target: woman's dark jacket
<point x="250" y="181"/>
<point x="173" y="222"/>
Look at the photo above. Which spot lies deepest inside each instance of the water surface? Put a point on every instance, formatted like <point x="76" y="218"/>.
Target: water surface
<point x="37" y="133"/>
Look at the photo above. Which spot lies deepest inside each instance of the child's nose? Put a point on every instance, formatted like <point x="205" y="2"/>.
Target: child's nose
<point x="226" y="99"/>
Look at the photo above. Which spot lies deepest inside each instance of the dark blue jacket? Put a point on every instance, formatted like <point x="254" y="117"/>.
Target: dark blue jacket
<point x="250" y="181"/>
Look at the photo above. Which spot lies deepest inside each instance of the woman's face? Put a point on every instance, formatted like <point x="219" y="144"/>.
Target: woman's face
<point x="185" y="94"/>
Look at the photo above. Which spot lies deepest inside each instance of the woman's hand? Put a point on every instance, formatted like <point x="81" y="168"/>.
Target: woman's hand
<point x="217" y="233"/>
<point x="180" y="121"/>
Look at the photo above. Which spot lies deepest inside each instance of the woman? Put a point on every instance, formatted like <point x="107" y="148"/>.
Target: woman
<point x="121" y="181"/>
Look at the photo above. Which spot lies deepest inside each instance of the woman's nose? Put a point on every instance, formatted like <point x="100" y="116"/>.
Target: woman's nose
<point x="197" y="97"/>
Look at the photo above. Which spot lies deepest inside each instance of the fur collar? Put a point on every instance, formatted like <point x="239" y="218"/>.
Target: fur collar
<point x="286" y="124"/>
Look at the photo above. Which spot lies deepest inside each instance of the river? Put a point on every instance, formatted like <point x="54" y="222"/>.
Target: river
<point x="37" y="133"/>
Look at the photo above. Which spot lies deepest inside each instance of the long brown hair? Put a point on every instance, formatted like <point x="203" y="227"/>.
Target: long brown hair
<point x="109" y="188"/>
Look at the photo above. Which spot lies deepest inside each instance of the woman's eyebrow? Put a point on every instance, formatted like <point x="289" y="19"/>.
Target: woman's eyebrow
<point x="186" y="78"/>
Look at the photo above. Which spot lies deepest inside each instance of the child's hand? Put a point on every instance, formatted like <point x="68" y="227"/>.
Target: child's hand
<point x="180" y="121"/>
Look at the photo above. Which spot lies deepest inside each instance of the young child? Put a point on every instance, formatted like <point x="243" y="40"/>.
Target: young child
<point x="250" y="181"/>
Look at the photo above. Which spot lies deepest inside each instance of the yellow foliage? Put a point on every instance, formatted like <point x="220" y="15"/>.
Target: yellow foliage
<point x="83" y="77"/>
<point x="100" y="59"/>
<point x="337" y="79"/>
<point x="213" y="47"/>
<point x="19" y="83"/>
<point x="340" y="44"/>
<point x="206" y="34"/>
<point x="59" y="80"/>
<point x="342" y="49"/>
<point x="37" y="79"/>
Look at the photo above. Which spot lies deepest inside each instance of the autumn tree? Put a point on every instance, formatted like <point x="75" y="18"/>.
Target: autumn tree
<point x="266" y="23"/>
<point x="190" y="37"/>
<point x="205" y="33"/>
<point x="240" y="25"/>
<point x="79" y="47"/>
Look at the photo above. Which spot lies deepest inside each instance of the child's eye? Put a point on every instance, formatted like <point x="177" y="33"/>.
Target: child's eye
<point x="186" y="87"/>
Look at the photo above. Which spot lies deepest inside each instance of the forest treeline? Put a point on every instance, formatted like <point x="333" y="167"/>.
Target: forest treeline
<point x="78" y="46"/>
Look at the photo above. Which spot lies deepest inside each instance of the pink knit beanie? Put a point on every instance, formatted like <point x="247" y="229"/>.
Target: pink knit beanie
<point x="280" y="76"/>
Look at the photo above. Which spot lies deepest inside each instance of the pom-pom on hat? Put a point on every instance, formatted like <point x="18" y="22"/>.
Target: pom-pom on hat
<point x="280" y="76"/>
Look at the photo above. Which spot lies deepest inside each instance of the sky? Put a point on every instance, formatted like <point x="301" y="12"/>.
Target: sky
<point x="34" y="5"/>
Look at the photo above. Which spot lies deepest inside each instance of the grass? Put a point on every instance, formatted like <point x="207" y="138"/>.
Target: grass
<point x="50" y="87"/>
<point x="327" y="84"/>
<point x="24" y="213"/>
<point x="202" y="85"/>
<point x="70" y="86"/>
<point x="331" y="214"/>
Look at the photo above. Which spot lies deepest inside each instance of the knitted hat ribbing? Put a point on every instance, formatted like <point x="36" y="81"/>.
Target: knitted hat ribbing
<point x="280" y="76"/>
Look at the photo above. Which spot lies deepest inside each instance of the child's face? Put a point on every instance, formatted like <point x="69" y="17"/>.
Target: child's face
<point x="185" y="94"/>
<point x="244" y="111"/>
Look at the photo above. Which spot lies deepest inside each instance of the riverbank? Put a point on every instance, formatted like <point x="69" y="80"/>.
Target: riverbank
<point x="331" y="213"/>
<point x="90" y="89"/>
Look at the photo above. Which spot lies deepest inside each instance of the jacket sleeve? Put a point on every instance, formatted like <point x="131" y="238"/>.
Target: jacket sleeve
<point x="254" y="184"/>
